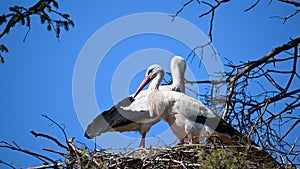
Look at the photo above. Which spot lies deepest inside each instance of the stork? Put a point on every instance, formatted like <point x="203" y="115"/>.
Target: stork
<point x="132" y="113"/>
<point x="172" y="102"/>
<point x="183" y="107"/>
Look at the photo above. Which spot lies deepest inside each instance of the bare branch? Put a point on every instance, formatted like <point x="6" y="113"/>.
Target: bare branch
<point x="179" y="11"/>
<point x="290" y="129"/>
<point x="274" y="99"/>
<point x="55" y="151"/>
<point x="49" y="137"/>
<point x="296" y="4"/>
<point x="54" y="165"/>
<point x="212" y="12"/>
<point x="252" y="6"/>
<point x="7" y="164"/>
<point x="287" y="17"/>
<point x="252" y="65"/>
<point x="59" y="126"/>
<point x="194" y="52"/>
<point x="43" y="158"/>
<point x="213" y="82"/>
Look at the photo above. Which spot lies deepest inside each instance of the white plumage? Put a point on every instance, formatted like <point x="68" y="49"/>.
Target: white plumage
<point x="185" y="109"/>
<point x="132" y="114"/>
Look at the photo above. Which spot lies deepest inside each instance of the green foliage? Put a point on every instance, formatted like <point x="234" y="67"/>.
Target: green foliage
<point x="45" y="9"/>
<point x="228" y="158"/>
<point x="87" y="159"/>
<point x="3" y="49"/>
<point x="2" y="19"/>
<point x="221" y="158"/>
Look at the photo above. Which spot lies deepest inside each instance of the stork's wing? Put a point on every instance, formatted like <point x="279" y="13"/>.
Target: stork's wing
<point x="118" y="118"/>
<point x="196" y="111"/>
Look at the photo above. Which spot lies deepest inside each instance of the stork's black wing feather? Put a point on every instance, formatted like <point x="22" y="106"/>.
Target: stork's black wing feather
<point x="115" y="117"/>
<point x="218" y="124"/>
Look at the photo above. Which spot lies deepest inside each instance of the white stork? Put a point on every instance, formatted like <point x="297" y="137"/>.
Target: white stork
<point x="185" y="109"/>
<point x="132" y="113"/>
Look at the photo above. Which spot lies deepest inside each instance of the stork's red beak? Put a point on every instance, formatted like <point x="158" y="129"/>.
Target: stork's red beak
<point x="142" y="85"/>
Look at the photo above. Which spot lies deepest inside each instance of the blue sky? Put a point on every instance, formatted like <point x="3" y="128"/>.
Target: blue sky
<point x="37" y="76"/>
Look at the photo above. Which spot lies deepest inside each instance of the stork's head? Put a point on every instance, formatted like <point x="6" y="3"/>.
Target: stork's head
<point x="178" y="65"/>
<point x="151" y="73"/>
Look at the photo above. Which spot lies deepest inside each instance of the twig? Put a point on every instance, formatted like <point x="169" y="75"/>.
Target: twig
<point x="289" y="130"/>
<point x="131" y="143"/>
<point x="286" y="17"/>
<point x="213" y="82"/>
<point x="57" y="152"/>
<point x="59" y="126"/>
<point x="253" y="65"/>
<point x="296" y="4"/>
<point x="252" y="6"/>
<point x="212" y="12"/>
<point x="161" y="141"/>
<point x="7" y="164"/>
<point x="50" y="138"/>
<point x="179" y="11"/>
<point x="167" y="160"/>
<point x="54" y="165"/>
<point x="43" y="158"/>
<point x="75" y="150"/>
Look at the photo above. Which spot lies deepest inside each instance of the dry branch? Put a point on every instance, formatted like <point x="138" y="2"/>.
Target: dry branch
<point x="252" y="65"/>
<point x="295" y="3"/>
<point x="48" y="137"/>
<point x="15" y="147"/>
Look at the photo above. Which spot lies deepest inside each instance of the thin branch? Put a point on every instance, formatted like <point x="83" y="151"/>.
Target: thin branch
<point x="287" y="17"/>
<point x="252" y="6"/>
<point x="274" y="99"/>
<point x="213" y="82"/>
<point x="259" y="118"/>
<point x="253" y="65"/>
<point x="55" y="151"/>
<point x="274" y="52"/>
<point x="58" y="125"/>
<point x="7" y="164"/>
<point x="43" y="158"/>
<point x="212" y="12"/>
<point x="54" y="165"/>
<point x="50" y="138"/>
<point x="296" y="4"/>
<point x="272" y="81"/>
<point x="194" y="52"/>
<point x="294" y="67"/>
<point x="290" y="129"/>
<point x="182" y="7"/>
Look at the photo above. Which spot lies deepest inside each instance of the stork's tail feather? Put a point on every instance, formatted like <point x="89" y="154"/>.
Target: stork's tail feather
<point x="224" y="130"/>
<point x="98" y="126"/>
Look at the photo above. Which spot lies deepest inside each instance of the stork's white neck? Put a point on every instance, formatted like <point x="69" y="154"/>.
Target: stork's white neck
<point x="156" y="82"/>
<point x="178" y="80"/>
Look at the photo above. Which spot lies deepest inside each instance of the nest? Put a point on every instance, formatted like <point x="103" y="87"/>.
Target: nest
<point x="186" y="156"/>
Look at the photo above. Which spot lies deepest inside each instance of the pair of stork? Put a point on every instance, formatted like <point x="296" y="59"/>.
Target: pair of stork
<point x="185" y="115"/>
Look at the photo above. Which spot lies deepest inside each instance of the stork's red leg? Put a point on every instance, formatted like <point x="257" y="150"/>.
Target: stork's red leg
<point x="190" y="138"/>
<point x="142" y="144"/>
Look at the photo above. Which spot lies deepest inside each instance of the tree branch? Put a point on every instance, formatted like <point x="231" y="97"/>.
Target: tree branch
<point x="212" y="12"/>
<point x="296" y="4"/>
<point x="49" y="137"/>
<point x="43" y="158"/>
<point x="250" y="66"/>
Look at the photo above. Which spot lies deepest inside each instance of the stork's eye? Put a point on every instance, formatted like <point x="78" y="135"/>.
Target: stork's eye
<point x="150" y="71"/>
